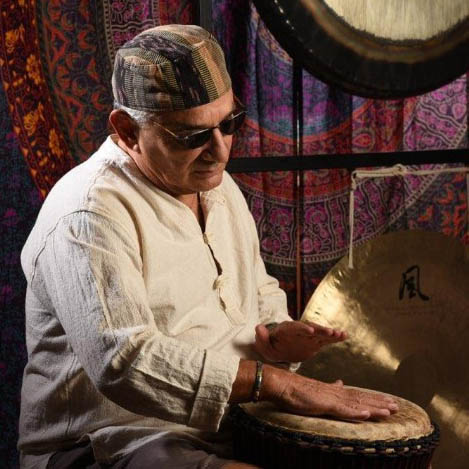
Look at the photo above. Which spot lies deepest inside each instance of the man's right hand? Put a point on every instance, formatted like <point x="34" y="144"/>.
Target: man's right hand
<point x="304" y="396"/>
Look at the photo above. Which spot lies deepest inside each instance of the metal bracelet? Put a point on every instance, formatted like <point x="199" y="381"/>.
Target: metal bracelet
<point x="256" y="389"/>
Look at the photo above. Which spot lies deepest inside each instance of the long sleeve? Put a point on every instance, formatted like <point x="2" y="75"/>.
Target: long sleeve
<point x="91" y="272"/>
<point x="272" y="299"/>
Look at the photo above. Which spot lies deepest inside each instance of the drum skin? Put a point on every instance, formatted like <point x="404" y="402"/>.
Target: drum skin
<point x="361" y="62"/>
<point x="272" y="439"/>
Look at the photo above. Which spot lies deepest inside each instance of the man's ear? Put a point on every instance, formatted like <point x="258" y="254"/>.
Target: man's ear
<point x="125" y="128"/>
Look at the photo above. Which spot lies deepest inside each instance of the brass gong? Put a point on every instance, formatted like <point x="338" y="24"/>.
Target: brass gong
<point x="374" y="48"/>
<point x="405" y="307"/>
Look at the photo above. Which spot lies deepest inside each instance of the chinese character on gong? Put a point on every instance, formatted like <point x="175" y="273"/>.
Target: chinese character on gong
<point x="410" y="284"/>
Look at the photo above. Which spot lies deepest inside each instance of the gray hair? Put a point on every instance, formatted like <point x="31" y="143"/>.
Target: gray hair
<point x="141" y="118"/>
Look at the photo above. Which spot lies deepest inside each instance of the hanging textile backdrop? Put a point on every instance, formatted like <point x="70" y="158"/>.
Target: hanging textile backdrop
<point x="55" y="66"/>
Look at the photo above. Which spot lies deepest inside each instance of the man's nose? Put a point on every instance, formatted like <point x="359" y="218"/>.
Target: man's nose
<point x="220" y="146"/>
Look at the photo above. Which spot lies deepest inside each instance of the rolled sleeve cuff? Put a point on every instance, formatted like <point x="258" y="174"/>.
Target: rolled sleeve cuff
<point x="218" y="375"/>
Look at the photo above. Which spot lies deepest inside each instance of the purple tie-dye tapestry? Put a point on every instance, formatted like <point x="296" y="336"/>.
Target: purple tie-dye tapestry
<point x="55" y="68"/>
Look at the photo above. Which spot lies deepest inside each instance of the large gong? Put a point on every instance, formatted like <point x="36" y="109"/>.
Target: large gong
<point x="374" y="48"/>
<point x="405" y="306"/>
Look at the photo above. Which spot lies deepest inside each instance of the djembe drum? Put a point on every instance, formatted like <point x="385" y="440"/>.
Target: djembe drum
<point x="272" y="439"/>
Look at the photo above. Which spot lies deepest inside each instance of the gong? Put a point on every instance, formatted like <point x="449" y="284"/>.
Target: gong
<point x="405" y="307"/>
<point x="374" y="48"/>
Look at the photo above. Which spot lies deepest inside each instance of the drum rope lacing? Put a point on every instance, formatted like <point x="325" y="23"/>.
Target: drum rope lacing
<point x="397" y="170"/>
<point x="392" y="449"/>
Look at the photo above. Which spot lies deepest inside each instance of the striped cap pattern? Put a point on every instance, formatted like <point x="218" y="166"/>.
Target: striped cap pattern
<point x="168" y="68"/>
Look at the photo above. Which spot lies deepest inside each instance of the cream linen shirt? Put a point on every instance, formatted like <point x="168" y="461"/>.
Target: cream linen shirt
<point x="131" y="330"/>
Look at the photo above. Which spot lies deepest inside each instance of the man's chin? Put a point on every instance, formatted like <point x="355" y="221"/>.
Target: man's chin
<point x="207" y="180"/>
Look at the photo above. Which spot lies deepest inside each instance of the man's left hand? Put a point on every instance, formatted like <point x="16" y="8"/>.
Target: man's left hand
<point x="294" y="341"/>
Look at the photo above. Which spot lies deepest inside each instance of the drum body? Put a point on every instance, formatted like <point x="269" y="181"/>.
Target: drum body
<point x="275" y="440"/>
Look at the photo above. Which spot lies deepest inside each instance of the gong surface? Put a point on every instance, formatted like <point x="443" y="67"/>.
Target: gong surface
<point x="405" y="307"/>
<point x="374" y="48"/>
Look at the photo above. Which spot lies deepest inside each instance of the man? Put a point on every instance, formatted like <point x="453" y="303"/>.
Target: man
<point x="148" y="306"/>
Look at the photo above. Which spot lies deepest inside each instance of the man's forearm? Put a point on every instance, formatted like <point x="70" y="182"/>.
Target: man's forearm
<point x="272" y="379"/>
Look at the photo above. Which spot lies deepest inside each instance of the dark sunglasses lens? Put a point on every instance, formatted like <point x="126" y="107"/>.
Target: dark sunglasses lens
<point x="228" y="127"/>
<point x="231" y="125"/>
<point x="198" y="139"/>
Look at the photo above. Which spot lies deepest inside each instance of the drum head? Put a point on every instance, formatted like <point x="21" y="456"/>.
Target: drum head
<point x="411" y="422"/>
<point x="374" y="48"/>
<point x="405" y="306"/>
<point x="269" y="438"/>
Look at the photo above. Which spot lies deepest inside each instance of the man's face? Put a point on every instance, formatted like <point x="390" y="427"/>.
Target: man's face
<point x="180" y="171"/>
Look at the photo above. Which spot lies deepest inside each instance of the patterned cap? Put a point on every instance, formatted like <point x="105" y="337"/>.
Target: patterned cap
<point x="169" y="68"/>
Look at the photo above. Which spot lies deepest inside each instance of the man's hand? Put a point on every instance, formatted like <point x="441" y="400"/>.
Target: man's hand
<point x="304" y="396"/>
<point x="294" y="341"/>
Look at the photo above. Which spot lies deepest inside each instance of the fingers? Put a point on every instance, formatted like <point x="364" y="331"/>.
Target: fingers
<point x="343" y="411"/>
<point x="262" y="343"/>
<point x="309" y="330"/>
<point x="347" y="412"/>
<point x="380" y="401"/>
<point x="327" y="333"/>
<point x="317" y="341"/>
<point x="336" y="335"/>
<point x="351" y="403"/>
<point x="357" y="411"/>
<point x="262" y="333"/>
<point x="378" y="405"/>
<point x="339" y="335"/>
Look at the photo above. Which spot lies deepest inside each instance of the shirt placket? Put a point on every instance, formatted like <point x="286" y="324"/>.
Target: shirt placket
<point x="224" y="282"/>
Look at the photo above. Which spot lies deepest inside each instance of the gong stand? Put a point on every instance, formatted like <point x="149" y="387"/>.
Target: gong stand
<point x="298" y="138"/>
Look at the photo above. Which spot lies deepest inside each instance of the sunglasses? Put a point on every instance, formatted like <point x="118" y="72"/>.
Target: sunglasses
<point x="228" y="126"/>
